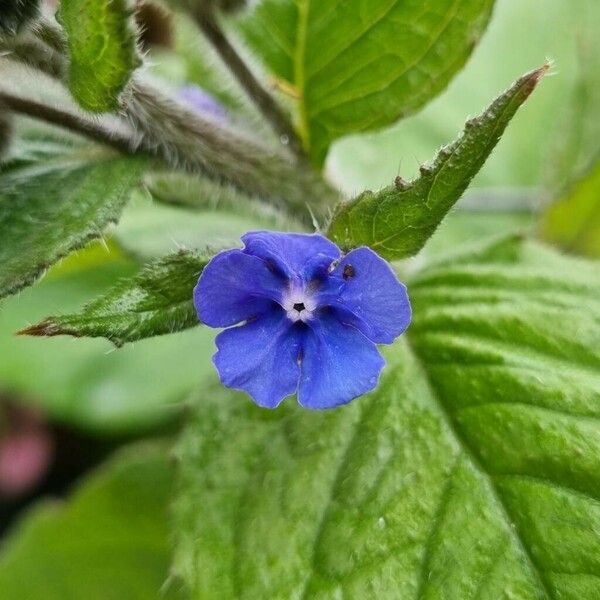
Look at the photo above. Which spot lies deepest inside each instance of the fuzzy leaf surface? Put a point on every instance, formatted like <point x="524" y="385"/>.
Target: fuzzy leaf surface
<point x="360" y="65"/>
<point x="397" y="220"/>
<point x="82" y="383"/>
<point x="472" y="471"/>
<point x="102" y="50"/>
<point x="54" y="198"/>
<point x="156" y="301"/>
<point x="109" y="541"/>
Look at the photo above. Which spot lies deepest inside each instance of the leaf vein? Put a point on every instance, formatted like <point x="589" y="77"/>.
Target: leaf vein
<point x="542" y="583"/>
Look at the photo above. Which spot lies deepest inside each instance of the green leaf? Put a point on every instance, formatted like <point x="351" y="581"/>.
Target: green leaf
<point x="514" y="41"/>
<point x="399" y="219"/>
<point x="472" y="471"/>
<point x="82" y="383"/>
<point x="54" y="198"/>
<point x="109" y="541"/>
<point x="573" y="221"/>
<point x="156" y="301"/>
<point x="359" y="66"/>
<point x="102" y="46"/>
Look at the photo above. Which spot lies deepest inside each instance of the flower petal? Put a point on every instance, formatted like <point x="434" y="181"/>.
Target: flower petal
<point x="367" y="294"/>
<point x="261" y="358"/>
<point x="233" y="287"/>
<point x="338" y="364"/>
<point x="294" y="254"/>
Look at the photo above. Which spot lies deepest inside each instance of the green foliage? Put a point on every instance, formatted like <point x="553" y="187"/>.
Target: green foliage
<point x="357" y="66"/>
<point x="156" y="301"/>
<point x="56" y="196"/>
<point x="102" y="50"/>
<point x="472" y="471"/>
<point x="82" y="382"/>
<point x="520" y="35"/>
<point x="108" y="542"/>
<point x="573" y="221"/>
<point x="399" y="219"/>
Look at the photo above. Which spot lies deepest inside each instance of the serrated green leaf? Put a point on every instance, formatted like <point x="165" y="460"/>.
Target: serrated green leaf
<point x="398" y="220"/>
<point x="573" y="221"/>
<point x="473" y="470"/>
<point x="156" y="301"/>
<point x="515" y="40"/>
<point x="83" y="383"/>
<point x="357" y="66"/>
<point x="108" y="542"/>
<point x="54" y="198"/>
<point x="102" y="46"/>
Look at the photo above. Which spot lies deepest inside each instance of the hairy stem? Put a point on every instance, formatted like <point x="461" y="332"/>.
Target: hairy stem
<point x="182" y="138"/>
<point x="68" y="120"/>
<point x="30" y="50"/>
<point x="268" y="106"/>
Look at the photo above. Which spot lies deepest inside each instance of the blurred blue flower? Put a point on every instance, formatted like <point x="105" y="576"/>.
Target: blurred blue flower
<point x="203" y="102"/>
<point x="311" y="318"/>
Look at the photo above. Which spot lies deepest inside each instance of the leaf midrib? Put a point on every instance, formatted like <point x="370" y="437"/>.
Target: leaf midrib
<point x="406" y="69"/>
<point x="468" y="452"/>
<point x="465" y="453"/>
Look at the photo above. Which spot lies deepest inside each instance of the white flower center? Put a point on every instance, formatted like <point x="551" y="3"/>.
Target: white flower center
<point x="298" y="305"/>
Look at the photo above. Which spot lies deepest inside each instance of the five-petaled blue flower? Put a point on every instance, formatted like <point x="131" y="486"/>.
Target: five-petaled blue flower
<point x="311" y="318"/>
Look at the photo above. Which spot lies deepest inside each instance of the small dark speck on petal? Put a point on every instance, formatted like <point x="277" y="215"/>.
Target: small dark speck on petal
<point x="348" y="272"/>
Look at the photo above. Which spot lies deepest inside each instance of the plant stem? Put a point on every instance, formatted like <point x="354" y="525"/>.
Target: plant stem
<point x="68" y="120"/>
<point x="164" y="127"/>
<point x="28" y="49"/>
<point x="183" y="139"/>
<point x="268" y="106"/>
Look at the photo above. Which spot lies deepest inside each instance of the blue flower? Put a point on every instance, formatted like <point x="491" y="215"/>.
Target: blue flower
<point x="310" y="317"/>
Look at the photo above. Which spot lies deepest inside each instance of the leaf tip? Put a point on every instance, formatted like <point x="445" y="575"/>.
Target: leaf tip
<point x="534" y="77"/>
<point x="45" y="328"/>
